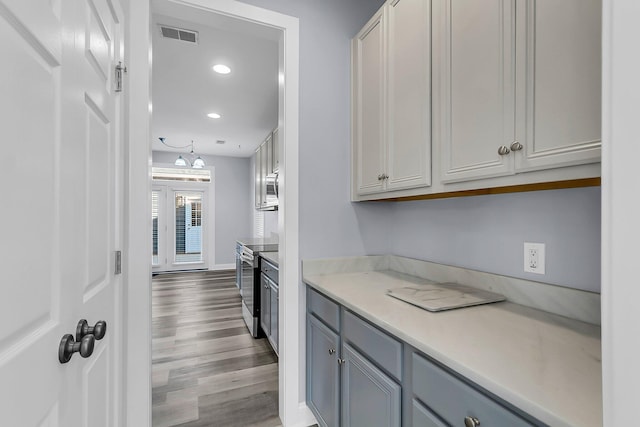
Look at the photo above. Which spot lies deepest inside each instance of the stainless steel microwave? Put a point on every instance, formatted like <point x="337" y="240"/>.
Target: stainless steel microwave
<point x="271" y="193"/>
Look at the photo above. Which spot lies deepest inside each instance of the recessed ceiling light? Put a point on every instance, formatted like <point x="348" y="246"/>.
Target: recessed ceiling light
<point x="214" y="115"/>
<point x="221" y="69"/>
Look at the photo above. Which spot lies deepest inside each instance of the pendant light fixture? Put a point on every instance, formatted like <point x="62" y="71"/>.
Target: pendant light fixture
<point x="195" y="162"/>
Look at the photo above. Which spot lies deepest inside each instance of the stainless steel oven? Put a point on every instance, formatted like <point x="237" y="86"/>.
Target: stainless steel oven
<point x="249" y="289"/>
<point x="248" y="278"/>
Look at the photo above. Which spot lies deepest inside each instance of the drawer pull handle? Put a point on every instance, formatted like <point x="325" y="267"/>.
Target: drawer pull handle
<point x="471" y="422"/>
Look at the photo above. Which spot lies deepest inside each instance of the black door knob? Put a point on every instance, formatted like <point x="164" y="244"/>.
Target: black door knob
<point x="98" y="331"/>
<point x="68" y="346"/>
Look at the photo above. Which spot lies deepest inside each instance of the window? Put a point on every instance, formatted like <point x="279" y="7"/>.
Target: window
<point x="196" y="214"/>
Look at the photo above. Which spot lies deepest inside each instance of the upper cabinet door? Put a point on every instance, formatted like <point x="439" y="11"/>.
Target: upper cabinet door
<point x="409" y="94"/>
<point x="368" y="97"/>
<point x="474" y="87"/>
<point x="559" y="57"/>
<point x="275" y="152"/>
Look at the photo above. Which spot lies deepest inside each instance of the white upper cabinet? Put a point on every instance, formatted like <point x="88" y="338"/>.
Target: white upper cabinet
<point x="521" y="78"/>
<point x="560" y="60"/>
<point x="275" y="152"/>
<point x="478" y="93"/>
<point x="368" y="115"/>
<point x="408" y="160"/>
<point x="392" y="83"/>
<point x="474" y="87"/>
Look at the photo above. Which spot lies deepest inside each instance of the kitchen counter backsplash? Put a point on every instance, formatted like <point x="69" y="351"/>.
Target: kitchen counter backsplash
<point x="568" y="302"/>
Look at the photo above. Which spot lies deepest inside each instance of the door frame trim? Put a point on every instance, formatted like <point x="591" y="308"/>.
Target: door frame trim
<point x="137" y="272"/>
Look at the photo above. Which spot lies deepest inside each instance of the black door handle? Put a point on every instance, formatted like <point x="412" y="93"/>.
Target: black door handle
<point x="98" y="331"/>
<point x="68" y="346"/>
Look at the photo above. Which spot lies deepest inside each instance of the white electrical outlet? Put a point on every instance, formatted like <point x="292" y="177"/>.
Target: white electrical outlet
<point x="534" y="257"/>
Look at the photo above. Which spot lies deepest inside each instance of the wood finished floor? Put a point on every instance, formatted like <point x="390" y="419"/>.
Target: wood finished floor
<point x="207" y="370"/>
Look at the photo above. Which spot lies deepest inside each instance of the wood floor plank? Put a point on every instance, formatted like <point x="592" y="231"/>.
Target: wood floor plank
<point x="207" y="370"/>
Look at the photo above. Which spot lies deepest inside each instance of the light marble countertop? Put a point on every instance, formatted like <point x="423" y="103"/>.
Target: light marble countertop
<point x="258" y="241"/>
<point x="547" y="365"/>
<point x="272" y="257"/>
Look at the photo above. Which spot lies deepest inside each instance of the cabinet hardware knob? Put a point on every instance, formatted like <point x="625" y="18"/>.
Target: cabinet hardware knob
<point x="98" y="331"/>
<point x="516" y="146"/>
<point x="68" y="346"/>
<point x="471" y="422"/>
<point x="503" y="150"/>
<point x="332" y="351"/>
<point x="385" y="176"/>
<point x="380" y="177"/>
<point x="341" y="361"/>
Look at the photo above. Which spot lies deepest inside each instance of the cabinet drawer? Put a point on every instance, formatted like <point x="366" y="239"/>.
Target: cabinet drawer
<point x="270" y="270"/>
<point x="422" y="417"/>
<point x="378" y="346"/>
<point x="324" y="309"/>
<point x="453" y="400"/>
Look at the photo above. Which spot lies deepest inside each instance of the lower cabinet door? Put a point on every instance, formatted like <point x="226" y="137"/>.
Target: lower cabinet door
<point x="265" y="305"/>
<point x="322" y="372"/>
<point x="274" y="317"/>
<point x="370" y="398"/>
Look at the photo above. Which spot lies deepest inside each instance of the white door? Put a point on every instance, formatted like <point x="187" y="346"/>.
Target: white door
<point x="474" y="87"/>
<point x="180" y="231"/>
<point x="409" y="94"/>
<point x="61" y="209"/>
<point x="559" y="114"/>
<point x="368" y="93"/>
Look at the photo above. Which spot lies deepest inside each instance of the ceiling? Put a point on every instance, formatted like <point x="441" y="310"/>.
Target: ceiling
<point x="185" y="88"/>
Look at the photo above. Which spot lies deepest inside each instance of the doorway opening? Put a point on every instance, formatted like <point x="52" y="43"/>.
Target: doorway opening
<point x="222" y="89"/>
<point x="292" y="410"/>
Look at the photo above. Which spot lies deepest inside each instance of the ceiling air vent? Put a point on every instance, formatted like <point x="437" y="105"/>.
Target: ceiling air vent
<point x="179" y="34"/>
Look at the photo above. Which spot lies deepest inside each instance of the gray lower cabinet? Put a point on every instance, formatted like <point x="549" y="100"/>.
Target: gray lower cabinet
<point x="323" y="372"/>
<point x="360" y="376"/>
<point x="422" y="417"/>
<point x="273" y="311"/>
<point x="369" y="397"/>
<point x="269" y="292"/>
<point x="351" y="367"/>
<point x="455" y="401"/>
<point x="265" y="304"/>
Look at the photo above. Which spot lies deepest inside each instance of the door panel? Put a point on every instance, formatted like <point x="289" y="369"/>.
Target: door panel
<point x="474" y="81"/>
<point x="409" y="80"/>
<point x="323" y="372"/>
<point x="102" y="218"/>
<point x="62" y="120"/>
<point x="369" y="107"/>
<point x="559" y="116"/>
<point x="33" y="303"/>
<point x="99" y="171"/>
<point x="369" y="397"/>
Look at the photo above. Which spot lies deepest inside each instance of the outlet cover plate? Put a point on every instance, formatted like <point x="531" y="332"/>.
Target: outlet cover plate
<point x="534" y="258"/>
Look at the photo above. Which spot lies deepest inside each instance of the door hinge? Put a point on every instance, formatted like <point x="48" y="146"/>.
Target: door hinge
<point x="120" y="70"/>
<point x="118" y="266"/>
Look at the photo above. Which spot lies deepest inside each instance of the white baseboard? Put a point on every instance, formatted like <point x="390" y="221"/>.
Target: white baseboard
<point x="223" y="267"/>
<point x="305" y="416"/>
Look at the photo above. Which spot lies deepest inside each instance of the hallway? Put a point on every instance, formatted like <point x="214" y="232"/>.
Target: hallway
<point x="207" y="369"/>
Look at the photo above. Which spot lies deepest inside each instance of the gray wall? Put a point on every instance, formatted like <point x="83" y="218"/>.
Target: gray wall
<point x="232" y="201"/>
<point x="484" y="232"/>
<point x="487" y="233"/>
<point x="329" y="224"/>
